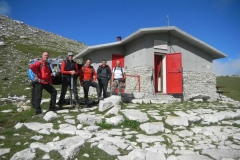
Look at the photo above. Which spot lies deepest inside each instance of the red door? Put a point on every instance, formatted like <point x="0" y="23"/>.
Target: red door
<point x="115" y="58"/>
<point x="158" y="73"/>
<point x="174" y="73"/>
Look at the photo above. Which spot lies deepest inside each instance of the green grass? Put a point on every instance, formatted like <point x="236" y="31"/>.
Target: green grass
<point x="36" y="51"/>
<point x="231" y="84"/>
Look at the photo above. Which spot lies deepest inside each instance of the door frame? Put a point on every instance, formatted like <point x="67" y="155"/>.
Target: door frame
<point x="164" y="84"/>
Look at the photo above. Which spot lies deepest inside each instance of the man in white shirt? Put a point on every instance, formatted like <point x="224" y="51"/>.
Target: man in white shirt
<point x="118" y="78"/>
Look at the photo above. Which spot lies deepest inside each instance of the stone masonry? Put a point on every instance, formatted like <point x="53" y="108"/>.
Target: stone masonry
<point x="202" y="84"/>
<point x="195" y="84"/>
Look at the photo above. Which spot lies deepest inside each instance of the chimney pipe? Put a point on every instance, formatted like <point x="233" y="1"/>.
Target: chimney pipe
<point x="119" y="38"/>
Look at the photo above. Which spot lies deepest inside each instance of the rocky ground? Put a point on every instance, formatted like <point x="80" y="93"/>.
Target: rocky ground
<point x="133" y="131"/>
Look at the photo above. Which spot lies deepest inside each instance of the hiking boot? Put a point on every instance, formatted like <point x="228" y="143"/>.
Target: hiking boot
<point x="78" y="106"/>
<point x="87" y="106"/>
<point x="52" y="109"/>
<point x="100" y="98"/>
<point x="60" y="107"/>
<point x="39" y="115"/>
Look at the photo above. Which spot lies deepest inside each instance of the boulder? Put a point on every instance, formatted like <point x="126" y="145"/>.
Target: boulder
<point x="116" y="120"/>
<point x="109" y="102"/>
<point x="89" y="119"/>
<point x="26" y="154"/>
<point x="50" y="116"/>
<point x="153" y="127"/>
<point x="135" y="115"/>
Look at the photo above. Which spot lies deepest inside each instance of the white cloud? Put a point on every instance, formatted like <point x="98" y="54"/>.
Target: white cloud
<point x="4" y="8"/>
<point x="228" y="67"/>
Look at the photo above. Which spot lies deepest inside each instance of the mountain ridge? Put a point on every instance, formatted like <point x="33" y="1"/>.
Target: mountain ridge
<point x="20" y="43"/>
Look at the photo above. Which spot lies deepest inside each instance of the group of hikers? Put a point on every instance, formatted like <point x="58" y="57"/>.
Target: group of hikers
<point x="70" y="72"/>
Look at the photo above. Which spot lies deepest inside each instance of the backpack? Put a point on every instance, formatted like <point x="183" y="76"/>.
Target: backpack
<point x="121" y="71"/>
<point x="31" y="74"/>
<point x="100" y="70"/>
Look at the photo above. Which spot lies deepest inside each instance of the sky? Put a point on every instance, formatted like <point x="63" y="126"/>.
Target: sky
<point x="93" y="22"/>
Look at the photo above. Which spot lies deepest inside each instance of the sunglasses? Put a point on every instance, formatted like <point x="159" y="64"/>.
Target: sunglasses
<point x="70" y="55"/>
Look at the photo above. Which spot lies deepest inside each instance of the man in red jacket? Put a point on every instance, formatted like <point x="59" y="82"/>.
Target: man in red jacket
<point x="88" y="78"/>
<point x="69" y="69"/>
<point x="43" y="81"/>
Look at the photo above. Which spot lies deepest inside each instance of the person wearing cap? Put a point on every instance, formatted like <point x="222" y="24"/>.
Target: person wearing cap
<point x="69" y="68"/>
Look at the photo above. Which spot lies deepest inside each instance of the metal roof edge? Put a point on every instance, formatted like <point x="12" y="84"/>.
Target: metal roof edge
<point x="145" y="30"/>
<point x="216" y="51"/>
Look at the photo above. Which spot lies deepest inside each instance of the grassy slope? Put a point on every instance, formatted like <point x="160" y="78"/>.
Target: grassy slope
<point x="232" y="85"/>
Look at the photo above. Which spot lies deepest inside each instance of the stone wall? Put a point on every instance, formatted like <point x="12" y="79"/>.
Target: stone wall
<point x="199" y="84"/>
<point x="146" y="84"/>
<point x="195" y="84"/>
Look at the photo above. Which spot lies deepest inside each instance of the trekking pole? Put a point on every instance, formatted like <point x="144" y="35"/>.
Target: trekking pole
<point x="110" y="87"/>
<point x="71" y="92"/>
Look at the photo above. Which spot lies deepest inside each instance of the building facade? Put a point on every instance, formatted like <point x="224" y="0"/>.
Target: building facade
<point x="162" y="60"/>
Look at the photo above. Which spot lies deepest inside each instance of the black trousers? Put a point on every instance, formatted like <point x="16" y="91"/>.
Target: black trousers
<point x="38" y="96"/>
<point x="33" y="94"/>
<point x="103" y="84"/>
<point x="86" y="85"/>
<point x="66" y="81"/>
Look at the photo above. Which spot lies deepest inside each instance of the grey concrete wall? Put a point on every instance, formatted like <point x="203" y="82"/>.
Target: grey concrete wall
<point x="193" y="59"/>
<point x="106" y="53"/>
<point x="135" y="53"/>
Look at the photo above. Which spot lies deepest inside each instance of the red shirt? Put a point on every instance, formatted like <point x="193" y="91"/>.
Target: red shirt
<point x="42" y="70"/>
<point x="87" y="73"/>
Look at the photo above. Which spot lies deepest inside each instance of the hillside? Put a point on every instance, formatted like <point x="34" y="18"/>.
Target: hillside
<point x="19" y="43"/>
<point x="230" y="86"/>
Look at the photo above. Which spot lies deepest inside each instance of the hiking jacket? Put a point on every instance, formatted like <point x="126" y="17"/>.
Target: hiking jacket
<point x="69" y="66"/>
<point x="43" y="71"/>
<point x="104" y="72"/>
<point x="87" y="73"/>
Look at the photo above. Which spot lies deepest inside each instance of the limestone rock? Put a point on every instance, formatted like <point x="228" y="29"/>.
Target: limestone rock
<point x="177" y="121"/>
<point x="193" y="156"/>
<point x="137" y="101"/>
<point x="116" y="120"/>
<point x="109" y="102"/>
<point x="4" y="151"/>
<point x="149" y="139"/>
<point x="135" y="115"/>
<point x="89" y="119"/>
<point x="50" y="116"/>
<point x="67" y="129"/>
<point x="26" y="154"/>
<point x="222" y="153"/>
<point x="110" y="149"/>
<point x="113" y="110"/>
<point x="153" y="127"/>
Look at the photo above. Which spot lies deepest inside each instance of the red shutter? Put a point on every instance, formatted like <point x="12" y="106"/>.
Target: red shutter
<point x="174" y="73"/>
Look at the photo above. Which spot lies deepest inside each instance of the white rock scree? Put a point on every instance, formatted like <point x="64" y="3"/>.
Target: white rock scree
<point x="168" y="133"/>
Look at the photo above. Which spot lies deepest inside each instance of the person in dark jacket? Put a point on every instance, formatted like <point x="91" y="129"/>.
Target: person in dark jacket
<point x="43" y="81"/>
<point x="104" y="75"/>
<point x="69" y="69"/>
